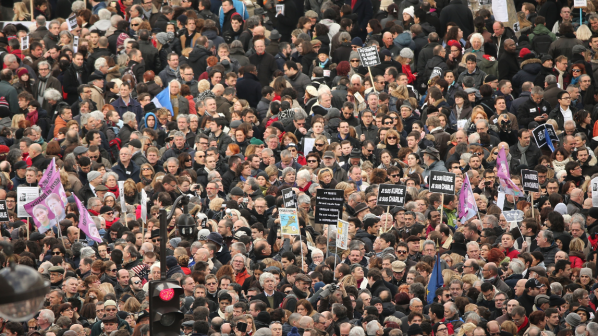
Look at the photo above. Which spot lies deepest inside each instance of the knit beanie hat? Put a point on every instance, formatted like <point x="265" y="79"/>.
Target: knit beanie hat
<point x="523" y="52"/>
<point x="586" y="271"/>
<point x="410" y="11"/>
<point x="354" y="55"/>
<point x="561" y="208"/>
<point x="573" y="319"/>
<point x="294" y="332"/>
<point x="357" y="41"/>
<point x="162" y="38"/>
<point x="406" y="53"/>
<point x="21" y="72"/>
<point x="121" y="40"/>
<point x="92" y="175"/>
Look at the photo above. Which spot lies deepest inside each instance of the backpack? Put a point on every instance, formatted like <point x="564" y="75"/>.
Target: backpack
<point x="541" y="43"/>
<point x="285" y="302"/>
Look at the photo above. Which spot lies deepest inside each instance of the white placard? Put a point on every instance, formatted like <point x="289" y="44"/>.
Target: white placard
<point x="24" y="196"/>
<point x="499" y="8"/>
<point x="461" y="123"/>
<point x="279" y="10"/>
<point x="25" y="42"/>
<point x="144" y="205"/>
<point x="500" y="202"/>
<point x="595" y="192"/>
<point x="308" y="145"/>
<point x="72" y="22"/>
<point x="580" y="3"/>
<point x="121" y="190"/>
<point x="342" y="234"/>
<point x="75" y="43"/>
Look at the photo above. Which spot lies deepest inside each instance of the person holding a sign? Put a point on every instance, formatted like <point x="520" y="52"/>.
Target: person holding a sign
<point x="431" y="158"/>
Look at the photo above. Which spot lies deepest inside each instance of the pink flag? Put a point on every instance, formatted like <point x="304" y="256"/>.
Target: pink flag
<point x="86" y="223"/>
<point x="49" y="208"/>
<point x="502" y="165"/>
<point x="467" y="205"/>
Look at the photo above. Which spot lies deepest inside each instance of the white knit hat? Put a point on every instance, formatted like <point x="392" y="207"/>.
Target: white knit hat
<point x="410" y="11"/>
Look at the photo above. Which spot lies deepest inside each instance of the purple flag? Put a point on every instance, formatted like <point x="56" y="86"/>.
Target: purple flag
<point x="86" y="223"/>
<point x="502" y="165"/>
<point x="467" y="205"/>
<point x="49" y="174"/>
<point x="49" y="208"/>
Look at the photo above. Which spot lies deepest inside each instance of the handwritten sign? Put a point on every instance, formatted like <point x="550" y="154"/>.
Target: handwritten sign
<point x="369" y="56"/>
<point x="289" y="198"/>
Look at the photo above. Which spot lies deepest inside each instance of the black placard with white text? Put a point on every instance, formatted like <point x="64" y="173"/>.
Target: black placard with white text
<point x="530" y="180"/>
<point x="289" y="198"/>
<point x="329" y="206"/>
<point x="442" y="182"/>
<point x="391" y="195"/>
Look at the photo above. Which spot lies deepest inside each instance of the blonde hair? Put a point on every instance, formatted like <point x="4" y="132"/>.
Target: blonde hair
<point x="21" y="10"/>
<point x="16" y="119"/>
<point x="576" y="245"/>
<point x="469" y="278"/>
<point x="216" y="203"/>
<point x="106" y="288"/>
<point x="203" y="85"/>
<point x="466" y="328"/>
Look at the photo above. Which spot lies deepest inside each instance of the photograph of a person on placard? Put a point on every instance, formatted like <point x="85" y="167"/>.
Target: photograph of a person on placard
<point x="56" y="206"/>
<point x="40" y="212"/>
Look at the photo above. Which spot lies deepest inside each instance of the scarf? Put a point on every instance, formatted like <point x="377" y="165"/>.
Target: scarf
<point x="523" y="325"/>
<point x="41" y="87"/>
<point x="174" y="100"/>
<point x="32" y="117"/>
<point x="353" y="2"/>
<point x="522" y="149"/>
<point x="114" y="190"/>
<point x="78" y="72"/>
<point x="560" y="77"/>
<point x="146" y="181"/>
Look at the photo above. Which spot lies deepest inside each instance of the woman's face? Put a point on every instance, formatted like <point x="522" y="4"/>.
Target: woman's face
<point x="307" y="25"/>
<point x="261" y="180"/>
<point x="312" y="162"/>
<point x="326" y="177"/>
<point x="301" y="310"/>
<point x="338" y="151"/>
<point x="131" y="321"/>
<point x="237" y="107"/>
<point x="64" y="39"/>
<point x="576" y="72"/>
<point x="459" y="101"/>
<point x="584" y="279"/>
<point x="358" y="273"/>
<point x="188" y="162"/>
<point x="411" y="161"/>
<point x="109" y="201"/>
<point x="111" y="182"/>
<point x="478" y="117"/>
<point x="249" y="324"/>
<point x="146" y="171"/>
<point x="240" y="136"/>
<point x="385" y="158"/>
<point x="170" y="28"/>
<point x="227" y="152"/>
<point x="559" y="156"/>
<point x="185" y="186"/>
<point x="460" y="35"/>
<point x="151" y="121"/>
<point x="442" y="121"/>
<point x="25" y="77"/>
<point x="31" y="109"/>
<point x="67" y="312"/>
<point x="588" y="119"/>
<point x="391" y="139"/>
<point x="485" y="251"/>
<point x="579" y="142"/>
<point x="369" y="29"/>
<point x="286" y="141"/>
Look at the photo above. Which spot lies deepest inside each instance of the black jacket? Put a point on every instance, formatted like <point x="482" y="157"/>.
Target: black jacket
<point x="278" y="298"/>
<point x="266" y="65"/>
<point x="131" y="172"/>
<point x="197" y="60"/>
<point x="507" y="65"/>
<point x="529" y="110"/>
<point x="85" y="193"/>
<point x="70" y="83"/>
<point x="532" y="154"/>
<point x="459" y="13"/>
<point x="99" y="52"/>
<point x="249" y="87"/>
<point x="150" y="55"/>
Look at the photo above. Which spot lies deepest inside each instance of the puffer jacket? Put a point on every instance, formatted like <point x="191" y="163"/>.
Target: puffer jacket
<point x="564" y="46"/>
<point x="489" y="65"/>
<point x="478" y="75"/>
<point x="530" y="69"/>
<point x="404" y="40"/>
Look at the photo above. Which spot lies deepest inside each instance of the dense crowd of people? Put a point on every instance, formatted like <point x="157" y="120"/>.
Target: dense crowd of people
<point x="225" y="103"/>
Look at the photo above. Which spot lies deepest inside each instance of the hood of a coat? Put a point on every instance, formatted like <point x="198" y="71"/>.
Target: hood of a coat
<point x="404" y="39"/>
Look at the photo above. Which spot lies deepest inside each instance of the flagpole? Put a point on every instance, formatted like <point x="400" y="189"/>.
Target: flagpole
<point x="28" y="217"/>
<point x="442" y="207"/>
<point x="327" y="242"/>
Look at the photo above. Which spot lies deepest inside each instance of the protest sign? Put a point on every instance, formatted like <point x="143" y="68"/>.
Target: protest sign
<point x="121" y="190"/>
<point x="342" y="234"/>
<point x="544" y="132"/>
<point x="72" y="22"/>
<point x="329" y="206"/>
<point x="369" y="56"/>
<point x="24" y="196"/>
<point x="86" y="223"/>
<point x="530" y="180"/>
<point x="3" y="212"/>
<point x="25" y="42"/>
<point x="48" y="209"/>
<point x="391" y="195"/>
<point x="289" y="198"/>
<point x="595" y="192"/>
<point x="442" y="182"/>
<point x="289" y="223"/>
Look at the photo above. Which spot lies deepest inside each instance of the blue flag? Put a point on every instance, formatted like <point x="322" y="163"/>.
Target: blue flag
<point x="548" y="140"/>
<point x="436" y="281"/>
<point x="162" y="99"/>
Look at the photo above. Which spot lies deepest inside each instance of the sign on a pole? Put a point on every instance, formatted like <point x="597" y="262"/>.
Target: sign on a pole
<point x="513" y="216"/>
<point x="121" y="190"/>
<point x="24" y="196"/>
<point x="391" y="195"/>
<point x="72" y="22"/>
<point x="329" y="206"/>
<point x="442" y="182"/>
<point x="369" y="56"/>
<point x="3" y="212"/>
<point x="540" y="134"/>
<point x="342" y="234"/>
<point x="289" y="223"/>
<point x="595" y="192"/>
<point x="289" y="198"/>
<point x="530" y="180"/>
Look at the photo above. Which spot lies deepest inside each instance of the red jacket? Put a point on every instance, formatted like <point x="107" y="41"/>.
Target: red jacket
<point x="241" y="277"/>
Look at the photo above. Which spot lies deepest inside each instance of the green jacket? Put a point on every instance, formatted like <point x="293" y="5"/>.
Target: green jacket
<point x="450" y="215"/>
<point x="541" y="30"/>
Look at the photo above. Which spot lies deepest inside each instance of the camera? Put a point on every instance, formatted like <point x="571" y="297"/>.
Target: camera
<point x="333" y="287"/>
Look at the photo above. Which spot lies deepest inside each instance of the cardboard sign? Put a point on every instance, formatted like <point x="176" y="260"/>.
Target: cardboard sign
<point x="540" y="134"/>
<point x="391" y="195"/>
<point x="513" y="216"/>
<point x="369" y="56"/>
<point x="342" y="234"/>
<point x="530" y="180"/>
<point x="24" y="196"/>
<point x="329" y="206"/>
<point x="289" y="198"/>
<point x="442" y="182"/>
<point x="72" y="22"/>
<point x="3" y="212"/>
<point x="24" y="42"/>
<point x="289" y="223"/>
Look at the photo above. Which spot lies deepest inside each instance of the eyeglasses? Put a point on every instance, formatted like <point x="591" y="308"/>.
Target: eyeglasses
<point x="110" y="310"/>
<point x="354" y="61"/>
<point x="388" y="123"/>
<point x="112" y="270"/>
<point x="211" y="284"/>
<point x="401" y="252"/>
<point x="110" y="213"/>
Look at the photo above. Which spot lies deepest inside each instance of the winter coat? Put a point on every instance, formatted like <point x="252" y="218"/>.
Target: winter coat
<point x="288" y="21"/>
<point x="459" y="13"/>
<point x="198" y="60"/>
<point x="564" y="46"/>
<point x="299" y="82"/>
<point x="266" y="66"/>
<point x="550" y="11"/>
<point x="364" y="11"/>
<point x="150" y="55"/>
<point x="532" y="154"/>
<point x="131" y="172"/>
<point x="436" y="66"/>
<point x="529" y="71"/>
<point x="213" y="36"/>
<point x="529" y="110"/>
<point x="239" y="55"/>
<point x="249" y="88"/>
<point x="558" y="116"/>
<point x="507" y="65"/>
<point x="342" y="53"/>
<point x="168" y="75"/>
<point x="424" y="55"/>
<point x="478" y="75"/>
<point x="542" y="44"/>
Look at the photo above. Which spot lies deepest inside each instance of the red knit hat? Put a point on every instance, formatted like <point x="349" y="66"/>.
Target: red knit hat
<point x="524" y="52"/>
<point x="454" y="43"/>
<point x="21" y="72"/>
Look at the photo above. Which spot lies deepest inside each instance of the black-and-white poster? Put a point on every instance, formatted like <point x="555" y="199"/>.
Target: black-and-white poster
<point x="279" y="10"/>
<point x="540" y="132"/>
<point x="369" y="56"/>
<point x="289" y="198"/>
<point x="329" y="206"/>
<point x="286" y="114"/>
<point x="442" y="182"/>
<point x="24" y="196"/>
<point x="24" y="42"/>
<point x="75" y="43"/>
<point x="72" y="22"/>
<point x="391" y="195"/>
<point x="3" y="212"/>
<point x="530" y="180"/>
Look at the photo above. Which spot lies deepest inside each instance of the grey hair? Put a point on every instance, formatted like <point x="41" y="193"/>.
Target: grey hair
<point x="268" y="151"/>
<point x="303" y="199"/>
<point x="538" y="90"/>
<point x="428" y="242"/>
<point x="172" y="159"/>
<point x="473" y="316"/>
<point x="240" y="255"/>
<point x="77" y="6"/>
<point x="91" y="200"/>
<point x="557" y="288"/>
<point x="87" y="252"/>
<point x="550" y="79"/>
<point x="493" y="220"/>
<point x="299" y="115"/>
<point x="357" y="331"/>
<point x="414" y="300"/>
<point x="344" y="36"/>
<point x="179" y="134"/>
<point x="9" y="58"/>
<point x="253" y="183"/>
<point x="52" y="94"/>
<point x="97" y="115"/>
<point x="285" y="154"/>
<point x="288" y="170"/>
<point x="453" y="307"/>
<point x="263" y="331"/>
<point x="104" y="14"/>
<point x="372" y="327"/>
<point x="44" y="63"/>
<point x="516" y="266"/>
<point x="186" y="116"/>
<point x="100" y="62"/>
<point x="473" y="138"/>
<point x="304" y="174"/>
<point x="582" y="333"/>
<point x="47" y="314"/>
<point x="476" y="36"/>
<point x="356" y="76"/>
<point x="312" y="187"/>
<point x="52" y="23"/>
<point x="316" y="251"/>
<point x="175" y="81"/>
<point x="548" y="235"/>
<point x="85" y="118"/>
<point x="128" y="117"/>
<point x="264" y="276"/>
<point x="108" y="174"/>
<point x="592" y="328"/>
<point x="465" y="157"/>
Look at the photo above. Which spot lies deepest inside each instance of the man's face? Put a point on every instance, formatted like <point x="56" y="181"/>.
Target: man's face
<point x="562" y="65"/>
<point x="566" y="13"/>
<point x="174" y="61"/>
<point x="498" y="28"/>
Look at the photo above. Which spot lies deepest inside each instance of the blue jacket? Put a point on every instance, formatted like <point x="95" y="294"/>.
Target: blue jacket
<point x="16" y="181"/>
<point x="96" y="9"/>
<point x="134" y="106"/>
<point x="239" y="8"/>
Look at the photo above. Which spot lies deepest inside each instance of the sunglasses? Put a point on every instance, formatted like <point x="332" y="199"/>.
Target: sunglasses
<point x="394" y="175"/>
<point x="112" y="270"/>
<point x="94" y="157"/>
<point x="109" y="213"/>
<point x="133" y="25"/>
<point x="156" y="240"/>
<point x="401" y="252"/>
<point x="391" y="138"/>
<point x="137" y="282"/>
<point x="145" y="169"/>
<point x="388" y="123"/>
<point x="318" y="145"/>
<point x="56" y="253"/>
<point x="312" y="161"/>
